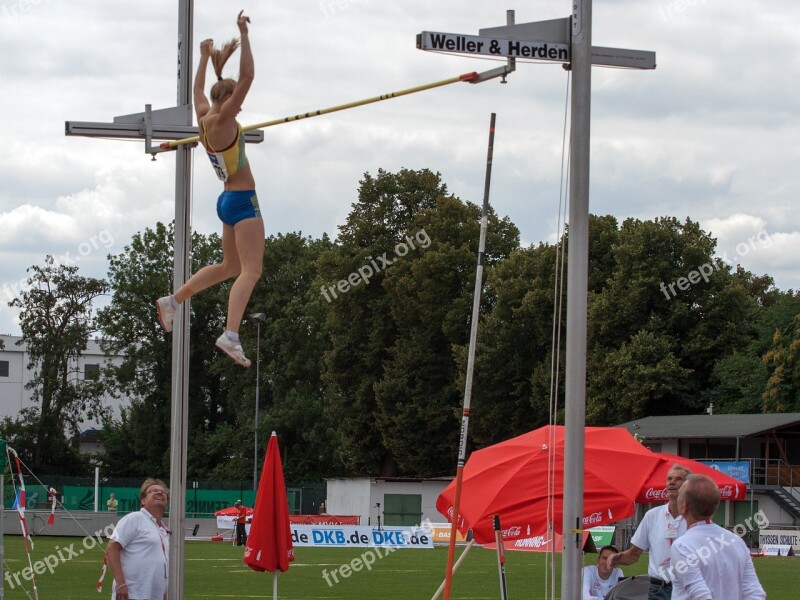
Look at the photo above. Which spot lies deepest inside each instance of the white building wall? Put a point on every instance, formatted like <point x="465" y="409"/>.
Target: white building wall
<point x="361" y="495"/>
<point x="13" y="394"/>
<point x="349" y="497"/>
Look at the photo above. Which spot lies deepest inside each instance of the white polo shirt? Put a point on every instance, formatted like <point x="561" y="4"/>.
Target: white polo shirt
<point x="655" y="534"/>
<point x="712" y="562"/>
<point x="144" y="556"/>
<point x="595" y="586"/>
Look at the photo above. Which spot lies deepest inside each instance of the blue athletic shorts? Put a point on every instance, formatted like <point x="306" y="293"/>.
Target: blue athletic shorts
<point x="235" y="206"/>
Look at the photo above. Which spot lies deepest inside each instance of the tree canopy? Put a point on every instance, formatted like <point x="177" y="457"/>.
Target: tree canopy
<point x="362" y="356"/>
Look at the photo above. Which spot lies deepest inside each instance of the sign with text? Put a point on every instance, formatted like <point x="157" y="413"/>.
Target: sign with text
<point x="777" y="551"/>
<point x="459" y="43"/>
<point x="440" y="532"/>
<point x="490" y="46"/>
<point x="602" y="535"/>
<point x="549" y="542"/>
<point x="779" y="537"/>
<point x="738" y="469"/>
<point x="361" y="536"/>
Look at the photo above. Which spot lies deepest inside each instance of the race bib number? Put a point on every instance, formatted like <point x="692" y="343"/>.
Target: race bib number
<point x="219" y="165"/>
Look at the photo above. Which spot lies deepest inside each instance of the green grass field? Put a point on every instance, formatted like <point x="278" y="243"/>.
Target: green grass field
<point x="215" y="570"/>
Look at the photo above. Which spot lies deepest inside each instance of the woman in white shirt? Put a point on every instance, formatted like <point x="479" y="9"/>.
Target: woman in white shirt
<point x="599" y="579"/>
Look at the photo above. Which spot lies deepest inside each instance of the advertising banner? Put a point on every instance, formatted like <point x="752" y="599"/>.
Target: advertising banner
<point x="324" y="519"/>
<point x="780" y="537"/>
<point x="440" y="532"/>
<point x="739" y="469"/>
<point x="550" y="542"/>
<point x="602" y="536"/>
<point x="360" y="536"/>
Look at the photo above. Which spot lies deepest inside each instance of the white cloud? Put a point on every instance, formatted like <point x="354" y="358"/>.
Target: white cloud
<point x="710" y="134"/>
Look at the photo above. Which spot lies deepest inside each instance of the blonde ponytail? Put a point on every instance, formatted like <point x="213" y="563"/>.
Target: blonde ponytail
<point x="219" y="57"/>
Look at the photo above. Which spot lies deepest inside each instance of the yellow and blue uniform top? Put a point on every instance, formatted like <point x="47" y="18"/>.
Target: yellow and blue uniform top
<point x="230" y="160"/>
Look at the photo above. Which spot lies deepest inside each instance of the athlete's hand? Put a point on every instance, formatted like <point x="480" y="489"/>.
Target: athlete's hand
<point x="242" y="21"/>
<point x="206" y="46"/>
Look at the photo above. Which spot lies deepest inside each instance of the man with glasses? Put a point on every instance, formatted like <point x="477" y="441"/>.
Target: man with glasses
<point x="138" y="550"/>
<point x="659" y="528"/>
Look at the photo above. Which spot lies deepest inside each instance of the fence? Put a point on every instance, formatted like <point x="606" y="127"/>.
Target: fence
<point x="203" y="498"/>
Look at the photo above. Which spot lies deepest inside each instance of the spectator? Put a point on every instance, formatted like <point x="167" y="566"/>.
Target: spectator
<point x="709" y="561"/>
<point x="112" y="503"/>
<point x="600" y="578"/>
<point x="241" y="520"/>
<point x="137" y="551"/>
<point x="659" y="528"/>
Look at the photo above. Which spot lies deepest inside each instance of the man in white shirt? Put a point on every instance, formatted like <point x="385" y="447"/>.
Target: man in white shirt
<point x="600" y="578"/>
<point x="709" y="562"/>
<point x="138" y="550"/>
<point x="659" y="528"/>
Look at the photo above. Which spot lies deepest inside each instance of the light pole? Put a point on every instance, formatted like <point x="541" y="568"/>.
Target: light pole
<point x="258" y="319"/>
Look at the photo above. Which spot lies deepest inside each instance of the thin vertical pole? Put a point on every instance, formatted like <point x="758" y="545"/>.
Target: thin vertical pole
<point x="577" y="300"/>
<point x="2" y="518"/>
<point x="180" y="334"/>
<point x="96" y="487"/>
<point x="255" y="424"/>
<point x="473" y="337"/>
<point x="501" y="557"/>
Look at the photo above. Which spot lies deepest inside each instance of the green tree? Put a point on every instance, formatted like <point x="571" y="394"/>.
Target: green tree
<point x="294" y="340"/>
<point x="361" y="331"/>
<point x="666" y="289"/>
<point x="221" y="394"/>
<point x="56" y="322"/>
<point x="138" y="444"/>
<point x="741" y="378"/>
<point x="515" y="347"/>
<point x="431" y="296"/>
<point x="406" y="266"/>
<point x="783" y="361"/>
<point x="519" y="379"/>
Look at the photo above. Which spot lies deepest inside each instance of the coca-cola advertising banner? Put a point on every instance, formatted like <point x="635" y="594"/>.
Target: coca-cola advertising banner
<point x="547" y="542"/>
<point x="654" y="490"/>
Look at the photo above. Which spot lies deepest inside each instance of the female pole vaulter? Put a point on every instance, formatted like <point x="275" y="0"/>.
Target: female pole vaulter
<point x="237" y="206"/>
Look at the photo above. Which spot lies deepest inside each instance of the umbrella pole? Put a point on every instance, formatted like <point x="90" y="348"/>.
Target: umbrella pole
<point x="275" y="585"/>
<point x="473" y="337"/>
<point x="455" y="567"/>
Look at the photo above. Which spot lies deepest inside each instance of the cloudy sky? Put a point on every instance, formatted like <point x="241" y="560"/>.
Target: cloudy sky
<point x="711" y="134"/>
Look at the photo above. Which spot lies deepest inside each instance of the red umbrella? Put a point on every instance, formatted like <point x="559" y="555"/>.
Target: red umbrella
<point x="511" y="479"/>
<point x="655" y="488"/>
<point x="269" y="545"/>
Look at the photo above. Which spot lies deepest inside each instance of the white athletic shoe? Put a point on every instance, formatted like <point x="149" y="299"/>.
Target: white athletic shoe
<point x="166" y="312"/>
<point x="233" y="349"/>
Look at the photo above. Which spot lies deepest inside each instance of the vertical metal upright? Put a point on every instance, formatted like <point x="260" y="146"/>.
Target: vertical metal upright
<point x="2" y="517"/>
<point x="577" y="298"/>
<point x="180" y="333"/>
